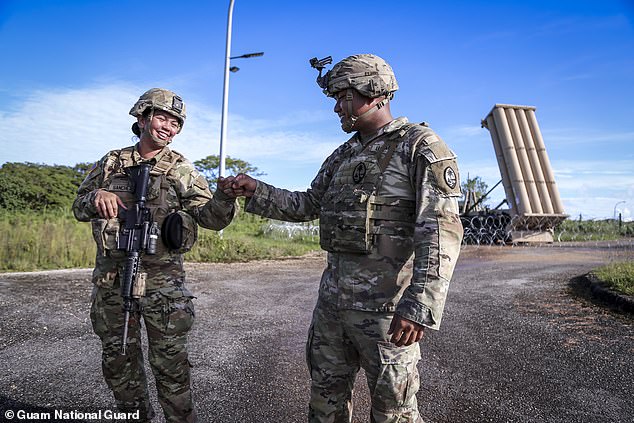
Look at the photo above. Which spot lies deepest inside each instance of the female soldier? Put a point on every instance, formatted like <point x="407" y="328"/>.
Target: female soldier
<point x="179" y="199"/>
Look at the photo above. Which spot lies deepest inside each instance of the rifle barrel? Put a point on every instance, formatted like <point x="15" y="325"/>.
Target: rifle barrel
<point x="125" y="332"/>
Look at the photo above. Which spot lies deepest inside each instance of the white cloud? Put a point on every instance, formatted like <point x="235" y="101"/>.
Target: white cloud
<point x="598" y="208"/>
<point x="575" y="136"/>
<point x="466" y="132"/>
<point x="81" y="125"/>
<point x="587" y="185"/>
<point x="67" y="127"/>
<point x="612" y="175"/>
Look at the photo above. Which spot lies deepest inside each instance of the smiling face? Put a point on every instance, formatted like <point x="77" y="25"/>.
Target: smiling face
<point x="160" y="130"/>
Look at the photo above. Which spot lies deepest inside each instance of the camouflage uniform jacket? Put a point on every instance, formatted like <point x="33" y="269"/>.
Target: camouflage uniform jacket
<point x="174" y="185"/>
<point x="411" y="221"/>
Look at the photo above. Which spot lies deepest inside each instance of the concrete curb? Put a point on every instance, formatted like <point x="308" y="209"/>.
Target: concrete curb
<point x="599" y="290"/>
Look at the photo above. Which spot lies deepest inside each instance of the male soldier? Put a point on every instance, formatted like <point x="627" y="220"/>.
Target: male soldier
<point x="387" y="194"/>
<point x="179" y="199"/>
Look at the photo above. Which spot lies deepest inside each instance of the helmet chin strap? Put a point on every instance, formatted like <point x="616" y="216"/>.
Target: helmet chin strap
<point x="349" y="123"/>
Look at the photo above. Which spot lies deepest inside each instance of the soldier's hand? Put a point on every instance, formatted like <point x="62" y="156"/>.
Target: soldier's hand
<point x="404" y="331"/>
<point x="224" y="185"/>
<point x="244" y="185"/>
<point x="107" y="204"/>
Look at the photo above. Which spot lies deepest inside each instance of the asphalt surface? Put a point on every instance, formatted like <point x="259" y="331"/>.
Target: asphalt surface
<point x="519" y="342"/>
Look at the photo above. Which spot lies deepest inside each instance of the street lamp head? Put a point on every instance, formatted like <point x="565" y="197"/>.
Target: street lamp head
<point x="246" y="56"/>
<point x="234" y="69"/>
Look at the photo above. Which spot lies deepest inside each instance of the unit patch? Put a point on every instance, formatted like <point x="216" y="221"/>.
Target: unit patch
<point x="450" y="177"/>
<point x="359" y="173"/>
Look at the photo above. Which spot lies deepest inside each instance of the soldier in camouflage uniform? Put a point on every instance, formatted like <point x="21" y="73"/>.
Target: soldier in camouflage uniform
<point x="179" y="199"/>
<point x="387" y="204"/>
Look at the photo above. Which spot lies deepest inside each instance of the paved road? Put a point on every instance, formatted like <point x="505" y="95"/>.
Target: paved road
<point x="517" y="343"/>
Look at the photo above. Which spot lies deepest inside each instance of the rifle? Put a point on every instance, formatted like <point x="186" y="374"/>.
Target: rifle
<point x="139" y="234"/>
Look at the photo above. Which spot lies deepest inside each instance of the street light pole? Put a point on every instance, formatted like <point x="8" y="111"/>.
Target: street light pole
<point x="225" y="89"/>
<point x="620" y="202"/>
<point x="225" y="93"/>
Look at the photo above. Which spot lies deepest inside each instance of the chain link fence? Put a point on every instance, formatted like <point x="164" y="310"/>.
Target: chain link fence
<point x="501" y="230"/>
<point x="292" y="230"/>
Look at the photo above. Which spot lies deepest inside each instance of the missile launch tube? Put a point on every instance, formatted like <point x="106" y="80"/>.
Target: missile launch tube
<point x="533" y="158"/>
<point x="558" y="207"/>
<point x="506" y="180"/>
<point x="512" y="163"/>
<point x="525" y="166"/>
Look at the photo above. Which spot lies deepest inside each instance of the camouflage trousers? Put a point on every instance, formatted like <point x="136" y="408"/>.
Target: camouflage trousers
<point x="168" y="315"/>
<point x="340" y="342"/>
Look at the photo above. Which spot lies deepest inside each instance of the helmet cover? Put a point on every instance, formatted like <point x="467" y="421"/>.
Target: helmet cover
<point x="367" y="73"/>
<point x="160" y="99"/>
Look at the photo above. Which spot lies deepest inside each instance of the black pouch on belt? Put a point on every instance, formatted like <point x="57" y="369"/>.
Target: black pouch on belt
<point x="179" y="232"/>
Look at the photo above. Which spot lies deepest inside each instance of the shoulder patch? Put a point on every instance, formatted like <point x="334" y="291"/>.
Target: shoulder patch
<point x="451" y="179"/>
<point x="441" y="160"/>
<point x="446" y="177"/>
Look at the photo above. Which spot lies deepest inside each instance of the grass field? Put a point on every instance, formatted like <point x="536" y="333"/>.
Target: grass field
<point x="593" y="230"/>
<point x="55" y="240"/>
<point x="620" y="276"/>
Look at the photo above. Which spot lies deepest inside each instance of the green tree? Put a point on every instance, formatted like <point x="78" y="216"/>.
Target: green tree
<point x="209" y="168"/>
<point x="83" y="168"/>
<point x="474" y="189"/>
<point x="33" y="186"/>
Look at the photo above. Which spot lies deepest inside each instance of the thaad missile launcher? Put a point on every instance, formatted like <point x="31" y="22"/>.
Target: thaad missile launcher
<point x="534" y="204"/>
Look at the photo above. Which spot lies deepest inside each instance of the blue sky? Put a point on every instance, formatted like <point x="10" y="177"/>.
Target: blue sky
<point x="71" y="70"/>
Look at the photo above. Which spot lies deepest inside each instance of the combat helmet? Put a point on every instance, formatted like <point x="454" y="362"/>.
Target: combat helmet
<point x="368" y="74"/>
<point x="160" y="99"/>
